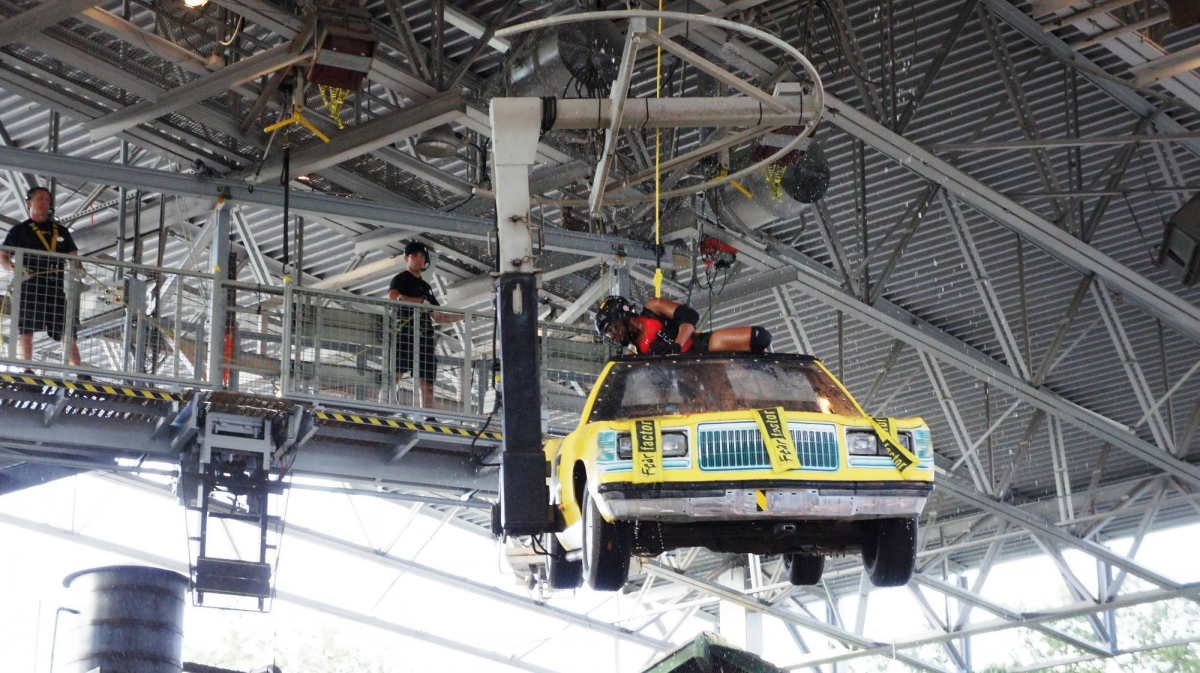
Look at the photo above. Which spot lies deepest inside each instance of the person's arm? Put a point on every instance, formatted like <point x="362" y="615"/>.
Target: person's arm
<point x="6" y="261"/>
<point x="686" y="315"/>
<point x="395" y="295"/>
<point x="442" y="318"/>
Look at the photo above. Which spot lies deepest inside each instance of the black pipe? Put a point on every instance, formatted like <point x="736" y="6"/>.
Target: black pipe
<point x="284" y="179"/>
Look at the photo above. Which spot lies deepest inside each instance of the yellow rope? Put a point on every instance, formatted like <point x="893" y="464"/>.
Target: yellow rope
<point x="773" y="174"/>
<point x="333" y="98"/>
<point x="658" y="274"/>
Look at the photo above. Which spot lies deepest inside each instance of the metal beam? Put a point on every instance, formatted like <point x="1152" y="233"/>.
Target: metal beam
<point x="285" y="596"/>
<point x="1171" y="309"/>
<point x="1017" y="18"/>
<point x="849" y="638"/>
<point x="372" y="135"/>
<point x="983" y="286"/>
<point x="1027" y="620"/>
<point x="616" y="111"/>
<point x="386" y="215"/>
<point x="972" y="598"/>
<point x="1090" y="141"/>
<point x="25" y="475"/>
<point x="1048" y="530"/>
<point x="204" y="87"/>
<point x="41" y="17"/>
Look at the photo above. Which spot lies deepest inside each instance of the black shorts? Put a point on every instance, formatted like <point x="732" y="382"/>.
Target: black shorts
<point x="42" y="310"/>
<point x="405" y="356"/>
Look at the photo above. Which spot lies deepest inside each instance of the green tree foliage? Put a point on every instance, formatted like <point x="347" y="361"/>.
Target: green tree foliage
<point x="307" y="646"/>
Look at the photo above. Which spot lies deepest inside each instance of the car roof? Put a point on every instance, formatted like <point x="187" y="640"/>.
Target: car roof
<point x="715" y="356"/>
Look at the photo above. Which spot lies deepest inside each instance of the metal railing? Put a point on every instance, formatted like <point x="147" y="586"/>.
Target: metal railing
<point x="145" y="322"/>
<point x="155" y="327"/>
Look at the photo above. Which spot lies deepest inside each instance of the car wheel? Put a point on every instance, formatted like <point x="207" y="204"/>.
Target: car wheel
<point x="605" y="549"/>
<point x="889" y="551"/>
<point x="561" y="573"/>
<point x="804" y="569"/>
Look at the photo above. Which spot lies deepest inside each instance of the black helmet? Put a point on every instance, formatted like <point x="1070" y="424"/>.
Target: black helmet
<point x="418" y="248"/>
<point x="610" y="311"/>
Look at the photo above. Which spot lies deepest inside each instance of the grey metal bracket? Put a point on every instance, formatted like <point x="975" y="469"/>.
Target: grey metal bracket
<point x="54" y="409"/>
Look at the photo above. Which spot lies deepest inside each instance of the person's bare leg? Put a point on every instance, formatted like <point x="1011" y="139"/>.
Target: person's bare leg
<point x="427" y="399"/>
<point x="25" y="346"/>
<point x="729" y="340"/>
<point x="73" y="359"/>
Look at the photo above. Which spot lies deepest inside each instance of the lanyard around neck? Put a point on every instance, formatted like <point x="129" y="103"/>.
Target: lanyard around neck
<point x="52" y="245"/>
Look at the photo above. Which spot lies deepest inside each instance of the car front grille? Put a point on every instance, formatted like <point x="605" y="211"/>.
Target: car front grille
<point x="739" y="446"/>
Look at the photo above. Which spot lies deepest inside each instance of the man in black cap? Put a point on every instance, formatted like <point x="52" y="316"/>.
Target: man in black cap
<point x="408" y="286"/>
<point x="43" y="305"/>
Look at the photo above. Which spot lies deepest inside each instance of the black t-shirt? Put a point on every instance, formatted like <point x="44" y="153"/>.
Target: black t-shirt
<point x="409" y="285"/>
<point x="25" y="235"/>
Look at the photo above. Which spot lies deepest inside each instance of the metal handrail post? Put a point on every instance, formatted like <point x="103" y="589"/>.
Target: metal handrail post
<point x="285" y="346"/>
<point x="72" y="286"/>
<point x="18" y="263"/>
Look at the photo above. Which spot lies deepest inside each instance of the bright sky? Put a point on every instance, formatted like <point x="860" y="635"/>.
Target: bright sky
<point x="34" y="564"/>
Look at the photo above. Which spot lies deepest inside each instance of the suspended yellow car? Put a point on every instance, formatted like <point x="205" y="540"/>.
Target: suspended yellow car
<point x="765" y="454"/>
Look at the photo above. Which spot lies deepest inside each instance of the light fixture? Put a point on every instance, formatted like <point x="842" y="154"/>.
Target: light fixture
<point x="195" y="4"/>
<point x="1180" y="249"/>
<point x="344" y="48"/>
<point x="438" y="142"/>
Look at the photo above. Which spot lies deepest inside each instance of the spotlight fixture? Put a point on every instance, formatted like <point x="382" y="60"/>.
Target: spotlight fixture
<point x="195" y="4"/>
<point x="1180" y="249"/>
<point x="345" y="46"/>
<point x="438" y="142"/>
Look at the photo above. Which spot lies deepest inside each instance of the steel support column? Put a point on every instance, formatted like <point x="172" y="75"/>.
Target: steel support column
<point x="218" y="311"/>
<point x="516" y="126"/>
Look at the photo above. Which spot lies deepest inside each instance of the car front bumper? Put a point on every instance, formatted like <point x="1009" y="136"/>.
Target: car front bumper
<point x="677" y="502"/>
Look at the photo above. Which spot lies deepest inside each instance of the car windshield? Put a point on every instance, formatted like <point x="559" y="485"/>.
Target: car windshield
<point x="638" y="389"/>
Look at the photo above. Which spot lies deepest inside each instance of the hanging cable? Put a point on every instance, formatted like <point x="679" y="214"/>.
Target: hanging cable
<point x="658" y="274"/>
<point x="284" y="179"/>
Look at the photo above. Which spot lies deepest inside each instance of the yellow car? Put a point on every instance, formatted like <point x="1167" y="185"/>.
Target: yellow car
<point x="692" y="450"/>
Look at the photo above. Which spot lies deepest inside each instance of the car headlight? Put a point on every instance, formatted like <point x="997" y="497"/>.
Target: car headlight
<point x="674" y="445"/>
<point x="862" y="443"/>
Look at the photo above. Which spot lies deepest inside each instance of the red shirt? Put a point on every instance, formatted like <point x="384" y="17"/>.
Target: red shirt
<point x="651" y="329"/>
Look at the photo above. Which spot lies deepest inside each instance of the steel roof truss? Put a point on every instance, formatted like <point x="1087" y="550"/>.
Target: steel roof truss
<point x="1114" y="587"/>
<point x="958" y="428"/>
<point x="1016" y="17"/>
<point x="1078" y="590"/>
<point x="791" y="319"/>
<point x="1044" y="529"/>
<point x="1062" y="477"/>
<point x="1133" y="370"/>
<point x="915" y="215"/>
<point x="738" y="598"/>
<point x="866" y="91"/>
<point x="1020" y="105"/>
<point x="983" y="285"/>
<point x="971" y="598"/>
<point x="936" y="623"/>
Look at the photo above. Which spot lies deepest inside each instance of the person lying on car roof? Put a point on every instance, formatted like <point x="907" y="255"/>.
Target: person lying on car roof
<point x="664" y="327"/>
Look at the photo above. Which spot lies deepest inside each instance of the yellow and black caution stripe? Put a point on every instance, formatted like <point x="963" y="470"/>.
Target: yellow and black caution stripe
<point x="92" y="387"/>
<point x="401" y="424"/>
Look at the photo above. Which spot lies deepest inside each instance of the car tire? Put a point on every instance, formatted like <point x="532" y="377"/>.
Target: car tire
<point x="889" y="551"/>
<point x="804" y="570"/>
<point x="606" y="548"/>
<point x="561" y="573"/>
